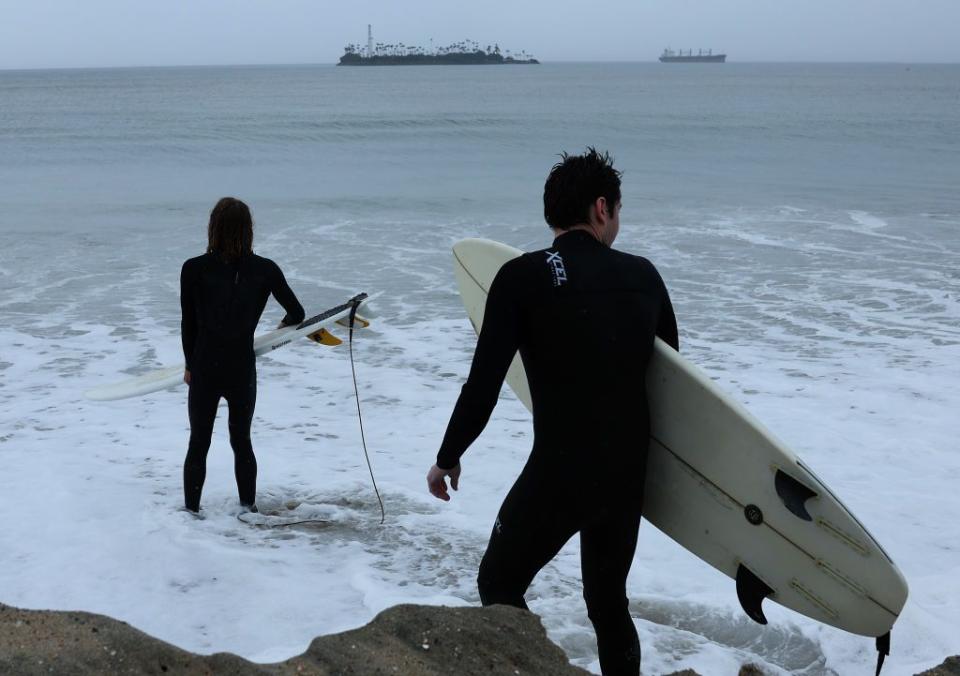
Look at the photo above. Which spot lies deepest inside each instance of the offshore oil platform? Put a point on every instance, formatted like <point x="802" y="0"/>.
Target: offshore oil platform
<point x="464" y="53"/>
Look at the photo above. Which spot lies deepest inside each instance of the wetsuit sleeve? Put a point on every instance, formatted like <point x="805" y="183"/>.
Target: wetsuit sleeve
<point x="285" y="296"/>
<point x="667" y="321"/>
<point x="188" y="311"/>
<point x="496" y="346"/>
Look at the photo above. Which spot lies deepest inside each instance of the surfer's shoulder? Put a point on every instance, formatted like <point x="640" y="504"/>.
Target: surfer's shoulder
<point x="627" y="258"/>
<point x="639" y="268"/>
<point x="514" y="276"/>
<point x="265" y="264"/>
<point x="517" y="268"/>
<point x="193" y="264"/>
<point x="637" y="261"/>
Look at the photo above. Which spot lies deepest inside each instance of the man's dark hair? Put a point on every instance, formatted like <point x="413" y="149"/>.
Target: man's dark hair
<point x="575" y="183"/>
<point x="230" y="233"/>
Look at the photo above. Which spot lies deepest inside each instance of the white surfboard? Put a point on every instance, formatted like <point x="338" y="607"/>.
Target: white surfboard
<point x="171" y="376"/>
<point x="723" y="487"/>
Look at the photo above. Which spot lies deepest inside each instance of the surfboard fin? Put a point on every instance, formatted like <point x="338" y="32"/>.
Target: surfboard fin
<point x="793" y="494"/>
<point x="358" y="322"/>
<point x="751" y="591"/>
<point x="883" y="649"/>
<point x="324" y="337"/>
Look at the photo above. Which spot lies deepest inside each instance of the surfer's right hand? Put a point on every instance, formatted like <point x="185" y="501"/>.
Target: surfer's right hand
<point x="186" y="376"/>
<point x="437" y="483"/>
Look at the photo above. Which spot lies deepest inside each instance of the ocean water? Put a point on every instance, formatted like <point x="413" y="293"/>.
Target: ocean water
<point x="806" y="219"/>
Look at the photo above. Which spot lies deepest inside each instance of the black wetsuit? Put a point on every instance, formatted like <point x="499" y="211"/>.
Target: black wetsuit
<point x="222" y="303"/>
<point x="583" y="317"/>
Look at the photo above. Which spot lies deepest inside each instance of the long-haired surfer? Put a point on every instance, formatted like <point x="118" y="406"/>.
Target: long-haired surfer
<point x="583" y="317"/>
<point x="222" y="295"/>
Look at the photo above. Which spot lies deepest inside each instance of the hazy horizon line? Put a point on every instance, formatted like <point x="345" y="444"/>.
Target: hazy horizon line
<point x="547" y="63"/>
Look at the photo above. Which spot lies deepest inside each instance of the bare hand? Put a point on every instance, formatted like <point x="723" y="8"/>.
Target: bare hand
<point x="437" y="483"/>
<point x="186" y="376"/>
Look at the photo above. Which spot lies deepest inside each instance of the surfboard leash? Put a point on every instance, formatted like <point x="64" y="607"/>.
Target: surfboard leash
<point x="279" y="524"/>
<point x="354" y="304"/>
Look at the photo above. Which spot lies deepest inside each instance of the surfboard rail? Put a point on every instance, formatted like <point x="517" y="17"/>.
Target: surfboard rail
<point x="172" y="376"/>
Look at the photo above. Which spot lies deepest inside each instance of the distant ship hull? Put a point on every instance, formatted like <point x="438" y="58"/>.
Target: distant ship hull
<point x="700" y="58"/>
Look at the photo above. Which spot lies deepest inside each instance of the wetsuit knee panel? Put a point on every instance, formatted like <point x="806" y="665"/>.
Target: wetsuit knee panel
<point x="495" y="587"/>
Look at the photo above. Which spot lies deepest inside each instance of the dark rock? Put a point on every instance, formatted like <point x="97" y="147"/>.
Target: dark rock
<point x="421" y="640"/>
<point x="950" y="667"/>
<point x="433" y="641"/>
<point x="751" y="670"/>
<point x="403" y="640"/>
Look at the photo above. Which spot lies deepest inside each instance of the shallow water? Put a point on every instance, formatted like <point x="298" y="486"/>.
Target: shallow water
<point x="805" y="219"/>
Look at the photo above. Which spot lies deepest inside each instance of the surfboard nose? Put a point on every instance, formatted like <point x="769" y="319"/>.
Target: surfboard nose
<point x="461" y="248"/>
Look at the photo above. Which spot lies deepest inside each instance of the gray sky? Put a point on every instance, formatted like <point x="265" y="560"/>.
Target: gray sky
<point x="81" y="33"/>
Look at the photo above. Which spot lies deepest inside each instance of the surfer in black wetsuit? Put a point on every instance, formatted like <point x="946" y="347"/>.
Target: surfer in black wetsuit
<point x="583" y="317"/>
<point x="222" y="295"/>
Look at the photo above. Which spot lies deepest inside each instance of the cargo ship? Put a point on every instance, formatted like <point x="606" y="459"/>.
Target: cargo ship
<point x="465" y="53"/>
<point x="670" y="56"/>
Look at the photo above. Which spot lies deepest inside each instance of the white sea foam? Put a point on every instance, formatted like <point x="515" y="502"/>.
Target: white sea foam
<point x="812" y="263"/>
<point x="867" y="220"/>
<point x="849" y="354"/>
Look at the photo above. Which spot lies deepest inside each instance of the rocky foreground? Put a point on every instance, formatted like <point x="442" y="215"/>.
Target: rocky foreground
<point x="403" y="640"/>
